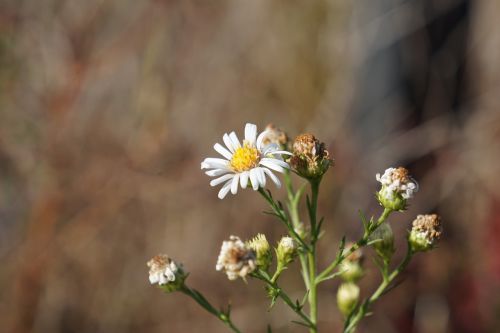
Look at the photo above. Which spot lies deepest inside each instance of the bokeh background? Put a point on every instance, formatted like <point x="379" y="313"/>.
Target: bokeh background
<point x="108" y="107"/>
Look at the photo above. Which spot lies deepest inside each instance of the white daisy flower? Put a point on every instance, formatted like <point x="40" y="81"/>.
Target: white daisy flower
<point x="251" y="161"/>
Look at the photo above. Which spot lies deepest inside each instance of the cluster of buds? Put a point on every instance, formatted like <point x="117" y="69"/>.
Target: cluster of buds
<point x="397" y="188"/>
<point x="351" y="271"/>
<point x="310" y="159"/>
<point x="166" y="272"/>
<point x="286" y="251"/>
<point x="236" y="259"/>
<point x="262" y="250"/>
<point x="383" y="241"/>
<point x="351" y="267"/>
<point x="425" y="232"/>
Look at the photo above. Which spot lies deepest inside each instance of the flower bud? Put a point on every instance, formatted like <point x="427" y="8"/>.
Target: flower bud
<point x="351" y="267"/>
<point x="286" y="251"/>
<point x="347" y="297"/>
<point x="262" y="249"/>
<point x="310" y="158"/>
<point x="425" y="233"/>
<point x="383" y="239"/>
<point x="397" y="188"/>
<point x="164" y="271"/>
<point x="236" y="259"/>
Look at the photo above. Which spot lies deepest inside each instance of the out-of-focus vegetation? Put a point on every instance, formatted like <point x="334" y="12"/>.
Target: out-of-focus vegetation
<point x="108" y="107"/>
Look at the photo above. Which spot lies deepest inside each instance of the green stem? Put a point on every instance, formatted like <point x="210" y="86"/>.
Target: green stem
<point x="313" y="209"/>
<point x="313" y="290"/>
<point x="362" y="310"/>
<point x="360" y="243"/>
<point x="203" y="302"/>
<point x="279" y="269"/>
<point x="293" y="208"/>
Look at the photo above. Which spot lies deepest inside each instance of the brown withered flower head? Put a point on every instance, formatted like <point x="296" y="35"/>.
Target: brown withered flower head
<point x="236" y="258"/>
<point x="310" y="158"/>
<point x="275" y="135"/>
<point x="426" y="232"/>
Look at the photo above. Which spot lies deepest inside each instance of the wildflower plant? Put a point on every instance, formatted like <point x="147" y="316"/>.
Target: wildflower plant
<point x="248" y="164"/>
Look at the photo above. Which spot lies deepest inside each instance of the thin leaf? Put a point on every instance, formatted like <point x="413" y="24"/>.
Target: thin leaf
<point x="374" y="241"/>
<point x="299" y="193"/>
<point x="304" y="299"/>
<point x="332" y="276"/>
<point x="301" y="323"/>
<point x="320" y="224"/>
<point x="341" y="249"/>
<point x="366" y="225"/>
<point x="270" y="213"/>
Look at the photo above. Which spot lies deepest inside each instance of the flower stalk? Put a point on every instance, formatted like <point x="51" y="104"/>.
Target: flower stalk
<point x="315" y="229"/>
<point x="224" y="316"/>
<point x="293" y="209"/>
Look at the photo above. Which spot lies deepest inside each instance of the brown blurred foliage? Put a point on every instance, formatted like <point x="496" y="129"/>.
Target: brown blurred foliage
<point x="108" y="107"/>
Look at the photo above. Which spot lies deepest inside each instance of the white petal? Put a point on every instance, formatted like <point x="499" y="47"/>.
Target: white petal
<point x="244" y="179"/>
<point x="281" y="152"/>
<point x="221" y="179"/>
<point x="273" y="177"/>
<point x="224" y="190"/>
<point x="254" y="180"/>
<point x="260" y="138"/>
<point x="214" y="163"/>
<point x="228" y="143"/>
<point x="153" y="278"/>
<point x="262" y="177"/>
<point x="234" y="140"/>
<point x="163" y="279"/>
<point x="279" y="162"/>
<point x="250" y="133"/>
<point x="272" y="166"/>
<point x="269" y="149"/>
<point x="223" y="151"/>
<point x="216" y="172"/>
<point x="170" y="275"/>
<point x="234" y="184"/>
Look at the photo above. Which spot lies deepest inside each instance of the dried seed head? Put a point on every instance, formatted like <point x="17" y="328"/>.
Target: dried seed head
<point x="166" y="273"/>
<point x="276" y="136"/>
<point x="426" y="232"/>
<point x="236" y="259"/>
<point x="310" y="158"/>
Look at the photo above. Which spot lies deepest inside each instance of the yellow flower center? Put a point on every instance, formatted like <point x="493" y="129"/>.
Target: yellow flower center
<point x="245" y="158"/>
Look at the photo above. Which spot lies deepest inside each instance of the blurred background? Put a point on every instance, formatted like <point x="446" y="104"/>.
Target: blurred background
<point x="108" y="107"/>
